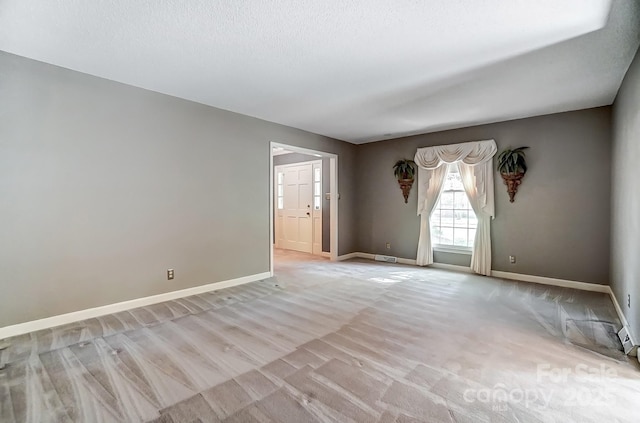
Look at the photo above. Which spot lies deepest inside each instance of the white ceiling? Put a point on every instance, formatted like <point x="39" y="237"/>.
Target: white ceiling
<point x="356" y="70"/>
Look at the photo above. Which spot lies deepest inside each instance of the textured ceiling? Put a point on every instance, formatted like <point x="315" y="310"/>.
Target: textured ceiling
<point x="356" y="70"/>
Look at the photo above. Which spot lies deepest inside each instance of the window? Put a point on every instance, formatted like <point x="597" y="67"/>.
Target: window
<point x="453" y="222"/>
<point x="280" y="192"/>
<point x="317" y="188"/>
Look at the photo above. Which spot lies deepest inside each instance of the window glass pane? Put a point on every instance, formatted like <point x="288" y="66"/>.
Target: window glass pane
<point x="446" y="217"/>
<point x="316" y="188"/>
<point x="461" y="218"/>
<point x="453" y="221"/>
<point x="280" y="203"/>
<point x="449" y="184"/>
<point x="435" y="217"/>
<point x="280" y="190"/>
<point x="280" y="177"/>
<point x="460" y="200"/>
<point x="316" y="174"/>
<point x="453" y="181"/>
<point x="316" y="203"/>
<point x="436" y="234"/>
<point x="446" y="236"/>
<point x="446" y="200"/>
<point x="460" y="237"/>
<point x="472" y="237"/>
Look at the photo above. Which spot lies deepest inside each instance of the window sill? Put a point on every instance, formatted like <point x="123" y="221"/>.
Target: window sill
<point x="452" y="249"/>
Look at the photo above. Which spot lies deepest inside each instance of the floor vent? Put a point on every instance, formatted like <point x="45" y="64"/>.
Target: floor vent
<point x="387" y="259"/>
<point x="627" y="342"/>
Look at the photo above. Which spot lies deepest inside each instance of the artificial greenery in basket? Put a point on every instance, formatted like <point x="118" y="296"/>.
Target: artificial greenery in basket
<point x="405" y="170"/>
<point x="512" y="167"/>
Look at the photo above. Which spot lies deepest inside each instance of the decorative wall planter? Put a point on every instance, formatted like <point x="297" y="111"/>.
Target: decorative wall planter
<point x="512" y="181"/>
<point x="512" y="167"/>
<point x="405" y="186"/>
<point x="404" y="170"/>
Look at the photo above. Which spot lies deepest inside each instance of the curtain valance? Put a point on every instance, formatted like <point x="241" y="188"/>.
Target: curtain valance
<point x="471" y="153"/>
<point x="475" y="163"/>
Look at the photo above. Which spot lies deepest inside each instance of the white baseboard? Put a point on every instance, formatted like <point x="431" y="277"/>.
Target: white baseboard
<point x="366" y="256"/>
<point x="584" y="286"/>
<point x="551" y="281"/>
<point x="63" y="319"/>
<point x="407" y="261"/>
<point x="616" y="304"/>
<point x="623" y="319"/>
<point x="348" y="256"/>
<point x="369" y="256"/>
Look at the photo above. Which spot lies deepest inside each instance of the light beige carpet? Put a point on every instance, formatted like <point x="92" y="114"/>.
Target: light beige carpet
<point x="334" y="342"/>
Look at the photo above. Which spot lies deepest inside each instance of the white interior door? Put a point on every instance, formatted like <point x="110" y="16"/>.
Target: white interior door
<point x="294" y="207"/>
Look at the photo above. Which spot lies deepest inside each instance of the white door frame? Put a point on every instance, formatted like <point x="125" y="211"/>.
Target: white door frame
<point x="333" y="196"/>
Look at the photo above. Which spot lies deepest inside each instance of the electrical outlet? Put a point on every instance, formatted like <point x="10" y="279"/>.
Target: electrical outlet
<point x="512" y="259"/>
<point x="388" y="245"/>
<point x="170" y="274"/>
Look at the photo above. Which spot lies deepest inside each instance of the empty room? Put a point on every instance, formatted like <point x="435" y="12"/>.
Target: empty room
<point x="306" y="211"/>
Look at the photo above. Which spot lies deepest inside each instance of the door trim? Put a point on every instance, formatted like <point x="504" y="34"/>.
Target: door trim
<point x="312" y="163"/>
<point x="333" y="195"/>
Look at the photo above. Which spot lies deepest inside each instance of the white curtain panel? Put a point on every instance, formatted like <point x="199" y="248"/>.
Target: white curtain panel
<point x="431" y="187"/>
<point x="475" y="161"/>
<point x="474" y="178"/>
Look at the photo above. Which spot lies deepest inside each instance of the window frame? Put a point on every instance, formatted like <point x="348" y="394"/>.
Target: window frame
<point x="316" y="178"/>
<point x="279" y="190"/>
<point x="447" y="248"/>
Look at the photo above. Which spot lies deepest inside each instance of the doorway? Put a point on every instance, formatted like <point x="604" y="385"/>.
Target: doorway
<point x="303" y="201"/>
<point x="298" y="207"/>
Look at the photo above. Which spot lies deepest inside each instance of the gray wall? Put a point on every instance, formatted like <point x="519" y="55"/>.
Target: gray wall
<point x="104" y="186"/>
<point x="283" y="159"/>
<point x="625" y="229"/>
<point x="559" y="224"/>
